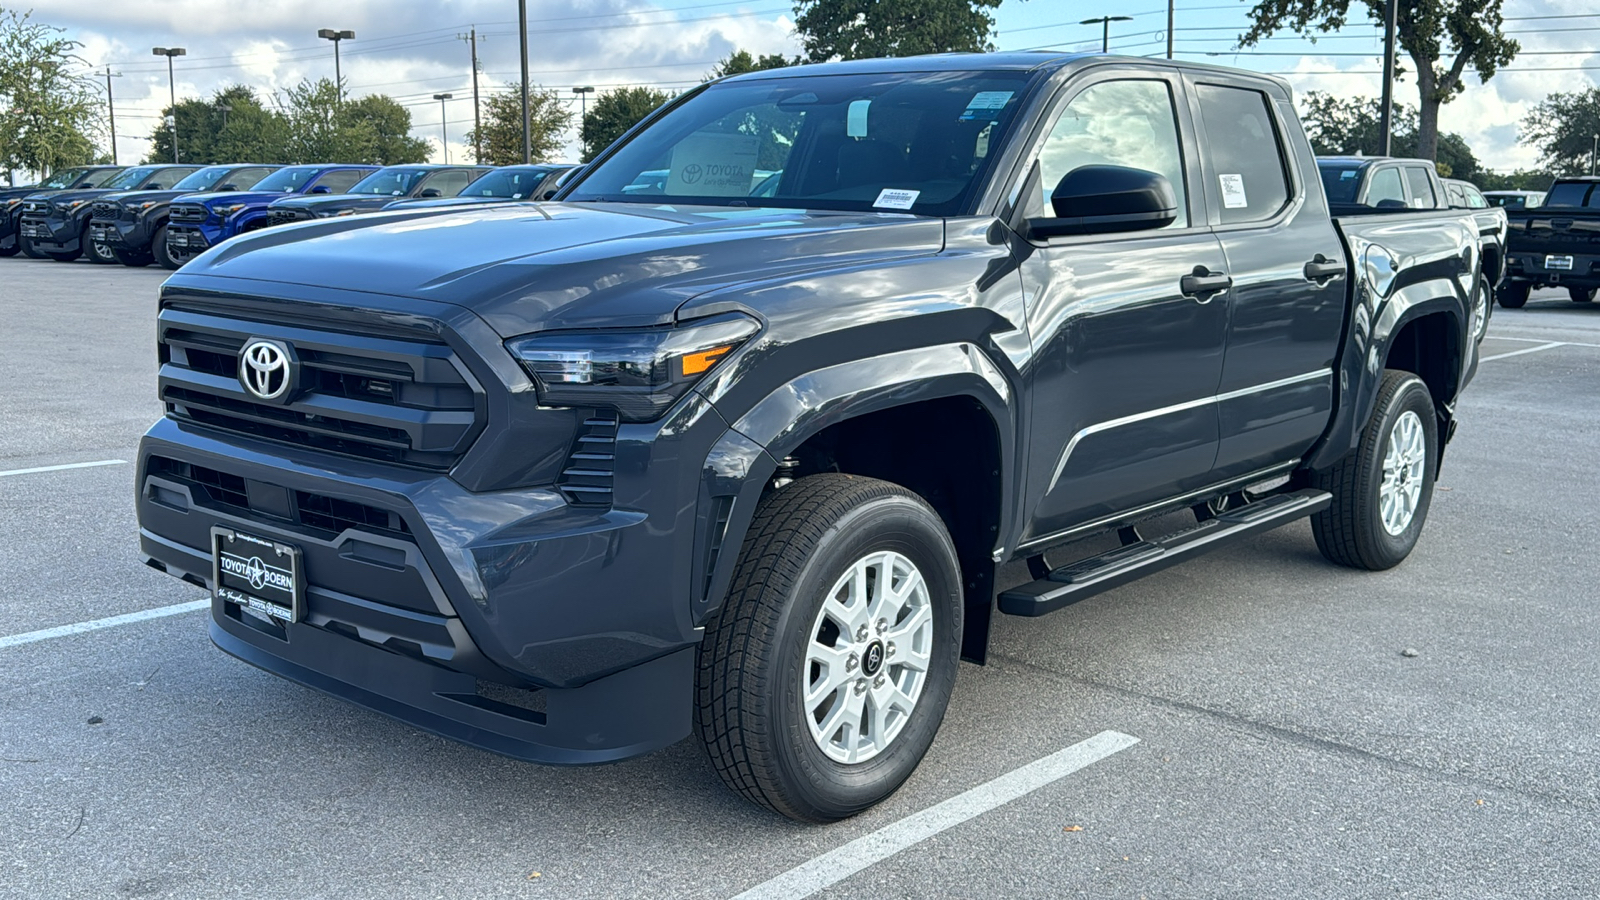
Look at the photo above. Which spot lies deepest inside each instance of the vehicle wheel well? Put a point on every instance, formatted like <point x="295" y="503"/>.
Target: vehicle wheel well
<point x="1491" y="263"/>
<point x="1430" y="347"/>
<point x="946" y="451"/>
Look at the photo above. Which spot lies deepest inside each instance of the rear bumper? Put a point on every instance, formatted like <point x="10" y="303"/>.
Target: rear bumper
<point x="1531" y="268"/>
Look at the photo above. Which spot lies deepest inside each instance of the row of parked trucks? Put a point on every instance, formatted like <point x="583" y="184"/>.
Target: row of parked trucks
<point x="168" y="214"/>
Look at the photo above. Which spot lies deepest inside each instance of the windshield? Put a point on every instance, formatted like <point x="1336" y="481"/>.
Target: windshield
<point x="63" y="179"/>
<point x="394" y="182"/>
<point x="130" y="178"/>
<point x="511" y="184"/>
<point x="1572" y="193"/>
<point x="203" y="179"/>
<point x="1341" y="183"/>
<point x="912" y="142"/>
<point x="284" y="181"/>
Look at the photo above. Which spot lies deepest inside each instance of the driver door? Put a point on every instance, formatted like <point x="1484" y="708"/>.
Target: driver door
<point x="1126" y="363"/>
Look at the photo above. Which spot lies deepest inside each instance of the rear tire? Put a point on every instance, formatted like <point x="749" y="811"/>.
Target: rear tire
<point x="1581" y="295"/>
<point x="163" y="254"/>
<point x="808" y="693"/>
<point x="1382" y="489"/>
<point x="1514" y="294"/>
<point x="136" y="259"/>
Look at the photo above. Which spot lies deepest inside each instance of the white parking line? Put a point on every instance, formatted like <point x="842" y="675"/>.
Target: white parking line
<point x="1507" y="337"/>
<point x="82" y="465"/>
<point x="16" y="640"/>
<point x="1523" y="350"/>
<point x="836" y="865"/>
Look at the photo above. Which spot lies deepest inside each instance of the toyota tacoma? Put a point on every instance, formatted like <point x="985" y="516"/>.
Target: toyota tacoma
<point x="572" y="481"/>
<point x="11" y="199"/>
<point x="55" y="224"/>
<point x="198" y="222"/>
<point x="131" y="226"/>
<point x="378" y="190"/>
<point x="1556" y="244"/>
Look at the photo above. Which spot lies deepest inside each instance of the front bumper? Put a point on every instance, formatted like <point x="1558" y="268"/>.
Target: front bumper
<point x="188" y="239"/>
<point x="120" y="234"/>
<point x="52" y="234"/>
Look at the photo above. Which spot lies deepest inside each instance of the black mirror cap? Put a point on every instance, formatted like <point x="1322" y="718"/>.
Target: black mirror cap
<point x="1392" y="203"/>
<point x="230" y="186"/>
<point x="430" y="194"/>
<point x="321" y="189"/>
<point x="1102" y="199"/>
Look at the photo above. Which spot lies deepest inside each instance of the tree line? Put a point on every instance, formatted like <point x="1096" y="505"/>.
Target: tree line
<point x="51" y="113"/>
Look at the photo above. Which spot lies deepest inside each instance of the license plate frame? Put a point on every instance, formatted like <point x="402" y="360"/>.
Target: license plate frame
<point x="177" y="238"/>
<point x="258" y="574"/>
<point x="1558" y="262"/>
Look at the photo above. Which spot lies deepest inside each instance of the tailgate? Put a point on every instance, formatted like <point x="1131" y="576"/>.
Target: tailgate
<point x="1558" y="233"/>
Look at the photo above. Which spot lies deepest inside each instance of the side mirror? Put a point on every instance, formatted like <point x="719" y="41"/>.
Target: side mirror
<point x="1108" y="199"/>
<point x="321" y="189"/>
<point x="230" y="186"/>
<point x="430" y="193"/>
<point x="547" y="194"/>
<point x="1392" y="203"/>
<point x="154" y="186"/>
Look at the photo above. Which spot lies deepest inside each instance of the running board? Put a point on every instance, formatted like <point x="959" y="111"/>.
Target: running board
<point x="1097" y="574"/>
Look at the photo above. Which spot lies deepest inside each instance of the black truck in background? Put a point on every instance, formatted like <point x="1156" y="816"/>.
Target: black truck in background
<point x="55" y="224"/>
<point x="741" y="457"/>
<point x="1556" y="244"/>
<point x="11" y="199"/>
<point x="131" y="227"/>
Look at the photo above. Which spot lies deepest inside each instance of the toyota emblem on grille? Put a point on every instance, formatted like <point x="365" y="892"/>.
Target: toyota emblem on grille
<point x="267" y="369"/>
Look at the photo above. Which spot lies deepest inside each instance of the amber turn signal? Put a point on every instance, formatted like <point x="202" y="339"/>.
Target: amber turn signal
<point x="697" y="363"/>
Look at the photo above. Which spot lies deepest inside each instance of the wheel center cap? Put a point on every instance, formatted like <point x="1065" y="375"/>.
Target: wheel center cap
<point x="872" y="660"/>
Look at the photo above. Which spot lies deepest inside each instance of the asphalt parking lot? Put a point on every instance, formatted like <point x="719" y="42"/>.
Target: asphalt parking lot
<point x="1286" y="747"/>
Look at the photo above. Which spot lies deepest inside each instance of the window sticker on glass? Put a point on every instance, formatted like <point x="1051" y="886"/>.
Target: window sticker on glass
<point x="894" y="198"/>
<point x="1233" y="191"/>
<point x="986" y="105"/>
<point x="713" y="165"/>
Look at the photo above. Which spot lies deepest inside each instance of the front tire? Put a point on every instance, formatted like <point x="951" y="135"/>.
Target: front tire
<point x="1514" y="294"/>
<point x="98" y="253"/>
<point x="1382" y="489"/>
<point x="28" y="249"/>
<point x="163" y="253"/>
<point x="825" y="676"/>
<point x="134" y="259"/>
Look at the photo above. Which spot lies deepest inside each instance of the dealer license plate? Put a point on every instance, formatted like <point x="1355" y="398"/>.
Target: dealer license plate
<point x="1561" y="263"/>
<point x="257" y="574"/>
<point x="177" y="239"/>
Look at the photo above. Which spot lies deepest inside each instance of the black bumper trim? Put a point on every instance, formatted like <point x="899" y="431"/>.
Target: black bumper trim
<point x="633" y="712"/>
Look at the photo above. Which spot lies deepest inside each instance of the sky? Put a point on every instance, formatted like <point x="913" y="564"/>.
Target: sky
<point x="411" y="50"/>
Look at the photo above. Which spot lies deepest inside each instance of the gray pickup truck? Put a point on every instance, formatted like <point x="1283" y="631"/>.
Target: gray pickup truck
<point x="739" y="453"/>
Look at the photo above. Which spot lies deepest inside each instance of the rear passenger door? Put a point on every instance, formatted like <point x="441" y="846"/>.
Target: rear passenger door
<point x="1420" y="187"/>
<point x="1286" y="308"/>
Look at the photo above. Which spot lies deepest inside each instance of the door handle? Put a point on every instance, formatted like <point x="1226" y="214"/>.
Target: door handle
<point x="1323" y="270"/>
<point x="1202" y="283"/>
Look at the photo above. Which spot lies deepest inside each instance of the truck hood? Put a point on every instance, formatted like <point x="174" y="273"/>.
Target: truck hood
<point x="68" y="196"/>
<point x="229" y="198"/>
<point x="532" y="267"/>
<point x="326" y="203"/>
<point x="143" y="196"/>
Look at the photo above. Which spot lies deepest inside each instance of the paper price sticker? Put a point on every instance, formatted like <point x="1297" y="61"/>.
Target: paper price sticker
<point x="895" y="198"/>
<point x="986" y="105"/>
<point x="1233" y="191"/>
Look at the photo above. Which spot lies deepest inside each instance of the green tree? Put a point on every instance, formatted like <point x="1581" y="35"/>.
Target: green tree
<point x="231" y="126"/>
<point x="1563" y="126"/>
<point x="1348" y="126"/>
<point x="371" y="129"/>
<point x="1443" y="38"/>
<point x="1520" y="180"/>
<point x="741" y="61"/>
<point x="614" y="113"/>
<point x="49" y="106"/>
<point x="502" y="125"/>
<point x="862" y="29"/>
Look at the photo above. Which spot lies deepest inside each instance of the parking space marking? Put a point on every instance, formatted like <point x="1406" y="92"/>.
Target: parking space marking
<point x="1506" y="337"/>
<point x="1546" y="346"/>
<point x="16" y="640"/>
<point x="62" y="468"/>
<point x="836" y="865"/>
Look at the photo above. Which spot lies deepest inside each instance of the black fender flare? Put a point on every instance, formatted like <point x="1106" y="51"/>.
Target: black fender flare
<point x="741" y="463"/>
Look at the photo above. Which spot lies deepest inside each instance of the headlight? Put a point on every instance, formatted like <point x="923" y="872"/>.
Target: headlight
<point x="230" y="210"/>
<point x="147" y="204"/>
<point x="639" y="373"/>
<point x="345" y="212"/>
<point x="13" y="204"/>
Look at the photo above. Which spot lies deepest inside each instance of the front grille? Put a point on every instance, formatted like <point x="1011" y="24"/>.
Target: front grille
<point x="187" y="212"/>
<point x="586" y="480"/>
<point x="318" y="512"/>
<point x="36" y="207"/>
<point x="392" y="400"/>
<point x="106" y="210"/>
<point x="285" y="216"/>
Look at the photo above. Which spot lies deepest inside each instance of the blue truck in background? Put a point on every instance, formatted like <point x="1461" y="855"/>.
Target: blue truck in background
<point x="199" y="222"/>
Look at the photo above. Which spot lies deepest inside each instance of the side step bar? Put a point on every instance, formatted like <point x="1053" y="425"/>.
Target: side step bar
<point x="1097" y="574"/>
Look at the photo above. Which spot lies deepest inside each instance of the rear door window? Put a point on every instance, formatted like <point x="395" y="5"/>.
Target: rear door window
<point x="1244" y="152"/>
<point x="1422" y="195"/>
<point x="1386" y="186"/>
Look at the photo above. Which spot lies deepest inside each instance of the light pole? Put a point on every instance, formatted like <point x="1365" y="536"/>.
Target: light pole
<point x="477" y="122"/>
<point x="1169" y="29"/>
<point x="1594" y="150"/>
<point x="330" y="34"/>
<point x="583" y="92"/>
<point x="1105" y="29"/>
<point x="444" y="134"/>
<point x="172" y="90"/>
<point x="111" y="109"/>
<point x="527" y="134"/>
<point x="1386" y="103"/>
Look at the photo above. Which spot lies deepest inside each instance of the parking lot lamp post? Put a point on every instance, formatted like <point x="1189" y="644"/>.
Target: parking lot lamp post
<point x="330" y="34"/>
<point x="172" y="90"/>
<point x="527" y="126"/>
<point x="444" y="134"/>
<point x="583" y="92"/>
<point x="1594" y="150"/>
<point x="1105" y="29"/>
